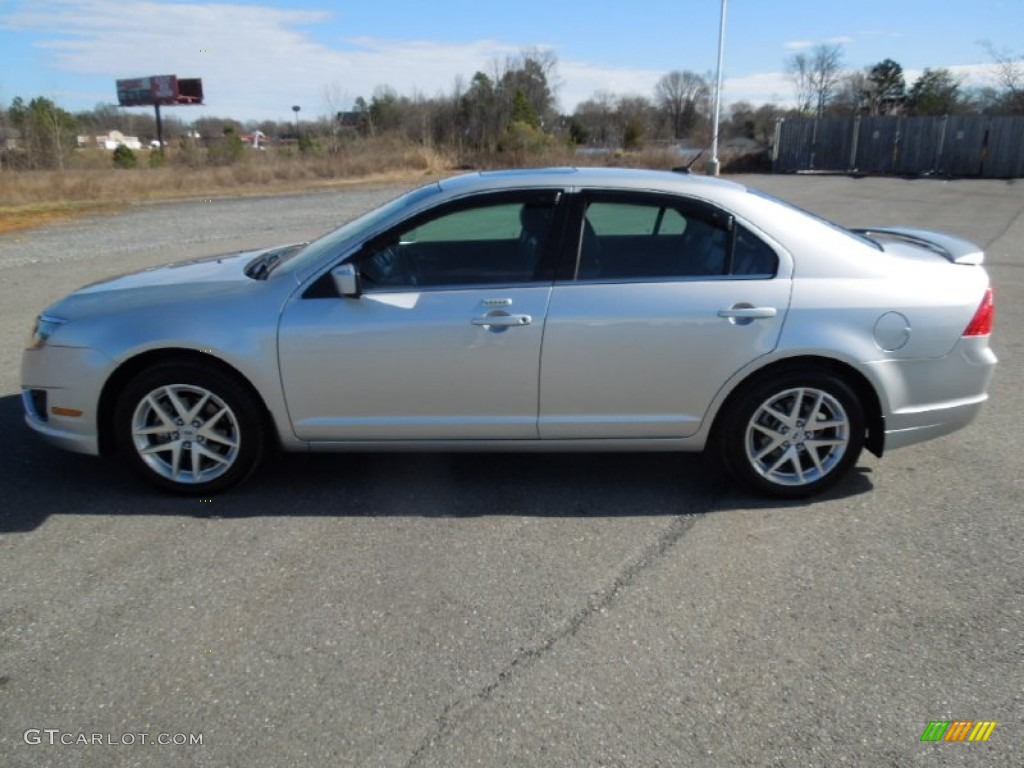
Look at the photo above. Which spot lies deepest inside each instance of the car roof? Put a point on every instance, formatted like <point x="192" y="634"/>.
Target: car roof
<point x="606" y="178"/>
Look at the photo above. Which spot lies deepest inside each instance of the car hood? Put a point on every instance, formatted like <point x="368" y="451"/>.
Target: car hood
<point x="182" y="282"/>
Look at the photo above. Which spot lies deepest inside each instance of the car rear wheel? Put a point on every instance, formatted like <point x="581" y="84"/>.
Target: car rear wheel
<point x="189" y="429"/>
<point x="792" y="434"/>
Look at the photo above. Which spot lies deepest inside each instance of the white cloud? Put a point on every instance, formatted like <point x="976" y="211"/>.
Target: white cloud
<point x="760" y="88"/>
<point x="582" y="80"/>
<point x="803" y="45"/>
<point x="255" y="61"/>
<point x="970" y="75"/>
<point x="262" y="60"/>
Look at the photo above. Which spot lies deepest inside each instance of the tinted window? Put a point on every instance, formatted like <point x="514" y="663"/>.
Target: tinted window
<point x="752" y="257"/>
<point x="500" y="242"/>
<point x="640" y="240"/>
<point x="332" y="242"/>
<point x="630" y="219"/>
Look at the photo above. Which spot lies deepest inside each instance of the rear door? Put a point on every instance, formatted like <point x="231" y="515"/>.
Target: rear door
<point x="666" y="300"/>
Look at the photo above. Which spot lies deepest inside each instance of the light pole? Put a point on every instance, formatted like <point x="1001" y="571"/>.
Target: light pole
<point x="296" y="109"/>
<point x="713" y="164"/>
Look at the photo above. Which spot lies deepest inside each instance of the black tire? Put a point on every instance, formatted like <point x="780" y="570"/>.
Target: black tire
<point x="218" y="448"/>
<point x="780" y="452"/>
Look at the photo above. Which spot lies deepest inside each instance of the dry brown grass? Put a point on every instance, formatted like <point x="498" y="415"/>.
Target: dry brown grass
<point x="91" y="184"/>
<point x="25" y="217"/>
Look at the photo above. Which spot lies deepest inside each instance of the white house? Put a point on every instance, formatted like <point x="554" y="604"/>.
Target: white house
<point x="115" y="139"/>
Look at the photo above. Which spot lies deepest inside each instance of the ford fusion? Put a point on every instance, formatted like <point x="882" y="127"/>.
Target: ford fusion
<point x="544" y="310"/>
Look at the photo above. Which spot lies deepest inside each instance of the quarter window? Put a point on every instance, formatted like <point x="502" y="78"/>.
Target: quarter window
<point x="752" y="257"/>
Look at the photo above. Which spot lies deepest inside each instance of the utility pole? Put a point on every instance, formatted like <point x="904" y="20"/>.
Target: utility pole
<point x="713" y="165"/>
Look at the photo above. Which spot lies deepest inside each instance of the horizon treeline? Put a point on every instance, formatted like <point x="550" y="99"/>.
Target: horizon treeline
<point x="511" y="112"/>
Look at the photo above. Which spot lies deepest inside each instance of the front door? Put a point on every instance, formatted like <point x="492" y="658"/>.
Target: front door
<point x="444" y="342"/>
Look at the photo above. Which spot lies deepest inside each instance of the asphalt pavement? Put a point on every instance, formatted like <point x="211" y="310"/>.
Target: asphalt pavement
<point x="493" y="610"/>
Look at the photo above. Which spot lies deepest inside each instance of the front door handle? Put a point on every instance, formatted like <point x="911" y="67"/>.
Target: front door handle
<point x="502" y="320"/>
<point x="748" y="312"/>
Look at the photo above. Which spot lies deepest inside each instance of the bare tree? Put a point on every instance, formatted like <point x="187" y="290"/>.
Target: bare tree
<point x="334" y="98"/>
<point x="533" y="73"/>
<point x="679" y="94"/>
<point x="850" y="98"/>
<point x="47" y="131"/>
<point x="595" y="117"/>
<point x="816" y="77"/>
<point x="1010" y="74"/>
<point x="798" y="67"/>
<point x="633" y="113"/>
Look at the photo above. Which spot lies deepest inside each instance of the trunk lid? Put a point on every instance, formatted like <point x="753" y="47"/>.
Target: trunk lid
<point x="910" y="241"/>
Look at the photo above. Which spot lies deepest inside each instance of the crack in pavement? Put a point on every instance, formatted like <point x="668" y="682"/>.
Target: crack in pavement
<point x="1012" y="223"/>
<point x="454" y="712"/>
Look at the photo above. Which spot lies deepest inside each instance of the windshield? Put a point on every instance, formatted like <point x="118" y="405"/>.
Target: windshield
<point x="356" y="230"/>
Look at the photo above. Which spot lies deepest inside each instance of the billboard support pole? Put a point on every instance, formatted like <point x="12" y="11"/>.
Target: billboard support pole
<point x="156" y="90"/>
<point x="159" y="127"/>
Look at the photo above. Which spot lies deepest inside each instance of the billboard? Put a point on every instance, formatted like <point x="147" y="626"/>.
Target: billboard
<point x="159" y="89"/>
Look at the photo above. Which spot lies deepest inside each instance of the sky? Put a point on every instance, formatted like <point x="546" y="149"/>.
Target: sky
<point x="257" y="59"/>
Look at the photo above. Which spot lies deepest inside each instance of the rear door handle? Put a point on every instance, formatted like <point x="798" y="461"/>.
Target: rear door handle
<point x="748" y="313"/>
<point x="503" y="320"/>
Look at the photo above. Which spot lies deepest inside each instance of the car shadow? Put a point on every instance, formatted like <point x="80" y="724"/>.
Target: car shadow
<point x="38" y="480"/>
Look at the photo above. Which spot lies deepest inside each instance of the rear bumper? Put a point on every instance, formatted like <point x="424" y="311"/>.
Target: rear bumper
<point x="941" y="419"/>
<point x="931" y="398"/>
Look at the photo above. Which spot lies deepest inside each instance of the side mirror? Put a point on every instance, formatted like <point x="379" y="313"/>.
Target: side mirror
<point x="346" y="280"/>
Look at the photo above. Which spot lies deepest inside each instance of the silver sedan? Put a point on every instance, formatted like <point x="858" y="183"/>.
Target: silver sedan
<point x="547" y="310"/>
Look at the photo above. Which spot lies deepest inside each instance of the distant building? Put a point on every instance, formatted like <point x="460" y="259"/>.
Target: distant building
<point x="256" y="139"/>
<point x="112" y="141"/>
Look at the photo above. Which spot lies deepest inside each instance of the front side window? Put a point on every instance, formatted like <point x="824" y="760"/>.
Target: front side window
<point x="361" y="227"/>
<point x="500" y="242"/>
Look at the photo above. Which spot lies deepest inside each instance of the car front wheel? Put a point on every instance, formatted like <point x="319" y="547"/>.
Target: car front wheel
<point x="189" y="429"/>
<point x="793" y="434"/>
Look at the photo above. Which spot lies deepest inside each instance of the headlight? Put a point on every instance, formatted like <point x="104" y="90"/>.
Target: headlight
<point x="43" y="329"/>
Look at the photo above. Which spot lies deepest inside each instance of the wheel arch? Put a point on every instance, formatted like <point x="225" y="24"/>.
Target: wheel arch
<point x="133" y="366"/>
<point x="874" y="422"/>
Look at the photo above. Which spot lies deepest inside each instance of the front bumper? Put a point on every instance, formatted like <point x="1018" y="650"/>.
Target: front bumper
<point x="66" y="382"/>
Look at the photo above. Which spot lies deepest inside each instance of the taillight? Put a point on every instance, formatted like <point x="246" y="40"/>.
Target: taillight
<point x="981" y="323"/>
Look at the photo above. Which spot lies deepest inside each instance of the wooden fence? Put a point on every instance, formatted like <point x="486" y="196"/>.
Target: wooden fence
<point x="964" y="145"/>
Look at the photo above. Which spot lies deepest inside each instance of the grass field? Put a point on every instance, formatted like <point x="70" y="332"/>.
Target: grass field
<point x="91" y="184"/>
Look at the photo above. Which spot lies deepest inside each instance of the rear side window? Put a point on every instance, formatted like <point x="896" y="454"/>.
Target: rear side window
<point x="658" y="239"/>
<point x="642" y="240"/>
<point x="613" y="219"/>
